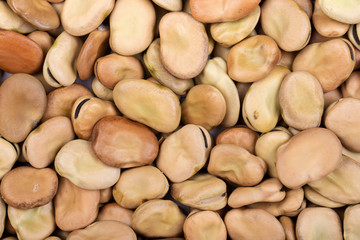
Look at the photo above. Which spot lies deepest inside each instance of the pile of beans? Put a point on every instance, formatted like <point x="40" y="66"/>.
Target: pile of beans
<point x="172" y="119"/>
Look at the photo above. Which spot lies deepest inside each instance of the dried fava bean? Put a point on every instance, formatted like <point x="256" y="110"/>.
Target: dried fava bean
<point x="2" y="216"/>
<point x="59" y="67"/>
<point x="331" y="97"/>
<point x="215" y="74"/>
<point x="306" y="5"/>
<point x="26" y="55"/>
<point x="318" y="223"/>
<point x="267" y="145"/>
<point x="230" y="33"/>
<point x="184" y="152"/>
<point x="170" y="5"/>
<point x="101" y="91"/>
<point x="22" y="105"/>
<point x="46" y="86"/>
<point x="149" y="103"/>
<point x="290" y="206"/>
<point x="75" y="207"/>
<point x="253" y="224"/>
<point x="127" y="16"/>
<point x="113" y="68"/>
<point x="202" y="191"/>
<point x="261" y="107"/>
<point x="105" y="195"/>
<point x="9" y="153"/>
<point x="351" y="222"/>
<point x="43" y="143"/>
<point x="269" y="190"/>
<point x="342" y="184"/>
<point x="342" y="117"/>
<point x="11" y="21"/>
<point x="240" y="136"/>
<point x="113" y="211"/>
<point x="289" y="227"/>
<point x="253" y="58"/>
<point x="184" y="45"/>
<point x="122" y="143"/>
<point x="61" y="100"/>
<point x="326" y="26"/>
<point x="319" y="199"/>
<point x="86" y="111"/>
<point x="104" y="230"/>
<point x="221" y="11"/>
<point x="137" y="185"/>
<point x="286" y="23"/>
<point x="158" y="218"/>
<point x="158" y="71"/>
<point x="353" y="155"/>
<point x="351" y="87"/>
<point x="34" y="223"/>
<point x="77" y="162"/>
<point x="221" y="51"/>
<point x="82" y="17"/>
<point x="301" y="100"/>
<point x="287" y="59"/>
<point x="27" y="187"/>
<point x="308" y="156"/>
<point x="331" y="62"/>
<point x="204" y="105"/>
<point x="39" y="13"/>
<point x="346" y="11"/>
<point x="44" y="40"/>
<point x="236" y="165"/>
<point x="58" y="8"/>
<point x="204" y="225"/>
<point x="94" y="47"/>
<point x="354" y="35"/>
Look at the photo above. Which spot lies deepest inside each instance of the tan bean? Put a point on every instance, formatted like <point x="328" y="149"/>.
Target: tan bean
<point x="306" y="5"/>
<point x="170" y="5"/>
<point x="289" y="227"/>
<point x="43" y="39"/>
<point x="353" y="35"/>
<point x="240" y="136"/>
<point x="319" y="199"/>
<point x="113" y="211"/>
<point x="11" y="21"/>
<point x="101" y="91"/>
<point x="287" y="59"/>
<point x="345" y="11"/>
<point x="9" y="153"/>
<point x="351" y="222"/>
<point x="351" y="87"/>
<point x="332" y="96"/>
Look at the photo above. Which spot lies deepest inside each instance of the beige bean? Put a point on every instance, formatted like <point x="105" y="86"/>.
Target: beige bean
<point x="104" y="230"/>
<point x="43" y="143"/>
<point x="353" y="35"/>
<point x="289" y="227"/>
<point x="94" y="47"/>
<point x="332" y="96"/>
<point x="241" y="136"/>
<point x="229" y="33"/>
<point x="82" y="17"/>
<point x="338" y="55"/>
<point x="301" y="100"/>
<point x="261" y="107"/>
<point x="319" y="199"/>
<point x="39" y="13"/>
<point x="287" y="59"/>
<point x="101" y="91"/>
<point x="59" y="67"/>
<point x="204" y="225"/>
<point x="345" y="11"/>
<point x="113" y="211"/>
<point x="71" y="215"/>
<point x="11" y="21"/>
<point x="184" y="152"/>
<point x="105" y="195"/>
<point x="353" y="155"/>
<point x="156" y="106"/>
<point x="114" y="68"/>
<point x="60" y="101"/>
<point x="158" y="218"/>
<point x="269" y="190"/>
<point x="327" y="26"/>
<point x="351" y="222"/>
<point x="184" y="45"/>
<point x="236" y="165"/>
<point x="2" y="216"/>
<point x="253" y="224"/>
<point x="170" y="5"/>
<point x="44" y="40"/>
<point x="208" y="11"/>
<point x="9" y="153"/>
<point x="137" y="185"/>
<point x="286" y="23"/>
<point x="342" y="118"/>
<point x="58" y="8"/>
<point x="318" y="223"/>
<point x="221" y="51"/>
<point x="156" y="68"/>
<point x="202" y="191"/>
<point x="215" y="74"/>
<point x="86" y="111"/>
<point x="351" y="87"/>
<point x="77" y="162"/>
<point x="253" y="58"/>
<point x="126" y="16"/>
<point x="267" y="145"/>
<point x="306" y="5"/>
